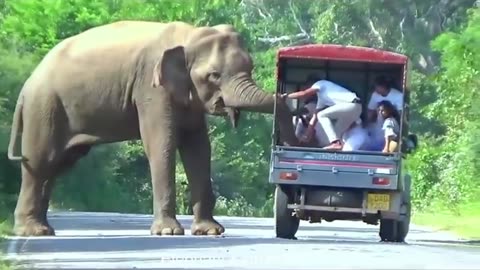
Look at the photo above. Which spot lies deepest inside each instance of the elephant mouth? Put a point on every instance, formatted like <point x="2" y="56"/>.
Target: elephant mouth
<point x="219" y="107"/>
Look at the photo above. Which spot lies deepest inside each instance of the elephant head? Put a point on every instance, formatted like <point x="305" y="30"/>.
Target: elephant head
<point x="214" y="71"/>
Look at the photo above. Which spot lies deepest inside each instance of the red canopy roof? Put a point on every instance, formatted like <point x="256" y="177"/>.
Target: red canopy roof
<point x="340" y="52"/>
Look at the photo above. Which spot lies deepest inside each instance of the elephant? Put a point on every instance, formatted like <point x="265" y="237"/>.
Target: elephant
<point x="135" y="80"/>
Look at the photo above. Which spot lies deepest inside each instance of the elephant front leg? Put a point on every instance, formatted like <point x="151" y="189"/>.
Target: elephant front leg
<point x="163" y="185"/>
<point x="158" y="136"/>
<point x="195" y="153"/>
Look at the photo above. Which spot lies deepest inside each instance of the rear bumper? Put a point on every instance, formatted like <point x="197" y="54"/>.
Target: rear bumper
<point x="334" y="203"/>
<point x="360" y="212"/>
<point x="335" y="179"/>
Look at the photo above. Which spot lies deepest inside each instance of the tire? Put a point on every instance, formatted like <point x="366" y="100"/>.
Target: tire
<point x="403" y="226"/>
<point x="286" y="225"/>
<point x="397" y="230"/>
<point x="388" y="230"/>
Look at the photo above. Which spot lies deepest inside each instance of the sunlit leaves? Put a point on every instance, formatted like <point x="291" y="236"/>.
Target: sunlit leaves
<point x="456" y="107"/>
<point x="117" y="177"/>
<point x="460" y="73"/>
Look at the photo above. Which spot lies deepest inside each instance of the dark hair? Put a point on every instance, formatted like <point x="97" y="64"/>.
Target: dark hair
<point x="382" y="80"/>
<point x="388" y="106"/>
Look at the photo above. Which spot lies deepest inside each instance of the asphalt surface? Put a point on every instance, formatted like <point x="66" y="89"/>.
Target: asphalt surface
<point x="121" y="241"/>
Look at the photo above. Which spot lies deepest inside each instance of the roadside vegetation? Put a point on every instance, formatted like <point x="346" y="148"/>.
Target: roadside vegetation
<point x="440" y="37"/>
<point x="463" y="222"/>
<point x="5" y="229"/>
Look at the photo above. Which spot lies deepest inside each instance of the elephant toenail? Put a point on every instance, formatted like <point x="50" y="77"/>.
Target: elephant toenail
<point x="178" y="231"/>
<point x="167" y="231"/>
<point x="212" y="231"/>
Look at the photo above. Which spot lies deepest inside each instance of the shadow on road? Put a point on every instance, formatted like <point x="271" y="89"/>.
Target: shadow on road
<point x="125" y="241"/>
<point x="82" y="222"/>
<point x="146" y="243"/>
<point x="132" y="243"/>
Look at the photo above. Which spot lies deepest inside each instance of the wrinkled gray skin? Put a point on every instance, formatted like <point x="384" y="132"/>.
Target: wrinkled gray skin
<point x="135" y="80"/>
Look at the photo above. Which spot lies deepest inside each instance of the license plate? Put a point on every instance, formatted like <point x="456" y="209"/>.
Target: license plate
<point x="378" y="201"/>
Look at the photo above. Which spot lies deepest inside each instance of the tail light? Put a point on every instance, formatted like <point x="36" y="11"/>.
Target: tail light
<point x="288" y="175"/>
<point x="381" y="181"/>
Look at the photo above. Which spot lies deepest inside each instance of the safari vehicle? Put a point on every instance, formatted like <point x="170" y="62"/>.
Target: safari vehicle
<point x="315" y="184"/>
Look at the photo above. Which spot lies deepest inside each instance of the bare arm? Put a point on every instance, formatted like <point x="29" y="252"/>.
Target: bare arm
<point x="311" y="127"/>
<point x="302" y="94"/>
<point x="314" y="119"/>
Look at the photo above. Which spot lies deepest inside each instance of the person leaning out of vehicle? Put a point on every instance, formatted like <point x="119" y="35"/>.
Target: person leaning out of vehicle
<point x="334" y="103"/>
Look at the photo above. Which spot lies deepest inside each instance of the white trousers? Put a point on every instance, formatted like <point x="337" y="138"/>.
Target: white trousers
<point x="344" y="114"/>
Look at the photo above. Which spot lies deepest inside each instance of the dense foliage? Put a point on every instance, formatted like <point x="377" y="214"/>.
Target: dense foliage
<point x="116" y="177"/>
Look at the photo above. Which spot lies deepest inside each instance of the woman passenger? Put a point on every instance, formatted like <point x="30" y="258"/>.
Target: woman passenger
<point x="391" y="125"/>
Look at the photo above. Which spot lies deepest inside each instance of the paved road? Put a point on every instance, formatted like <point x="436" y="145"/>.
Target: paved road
<point x="120" y="241"/>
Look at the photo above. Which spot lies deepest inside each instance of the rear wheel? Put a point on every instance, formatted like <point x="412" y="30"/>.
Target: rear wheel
<point x="397" y="230"/>
<point x="286" y="224"/>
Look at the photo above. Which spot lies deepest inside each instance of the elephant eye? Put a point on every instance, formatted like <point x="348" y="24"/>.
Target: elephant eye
<point x="214" y="76"/>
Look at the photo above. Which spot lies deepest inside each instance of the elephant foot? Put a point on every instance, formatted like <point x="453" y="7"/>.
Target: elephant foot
<point x="166" y="226"/>
<point x="34" y="228"/>
<point x="207" y="227"/>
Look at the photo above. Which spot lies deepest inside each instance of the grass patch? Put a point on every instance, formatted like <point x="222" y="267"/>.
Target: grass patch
<point x="5" y="265"/>
<point x="5" y="229"/>
<point x="463" y="222"/>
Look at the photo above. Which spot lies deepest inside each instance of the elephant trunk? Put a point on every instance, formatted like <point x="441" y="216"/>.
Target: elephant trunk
<point x="244" y="94"/>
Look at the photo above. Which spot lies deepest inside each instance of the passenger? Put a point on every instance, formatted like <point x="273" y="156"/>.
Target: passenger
<point x="355" y="138"/>
<point x="391" y="126"/>
<point x="301" y="121"/>
<point x="334" y="103"/>
<point x="383" y="90"/>
<point x="309" y="137"/>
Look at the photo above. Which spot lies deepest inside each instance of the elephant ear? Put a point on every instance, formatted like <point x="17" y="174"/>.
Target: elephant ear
<point x="170" y="72"/>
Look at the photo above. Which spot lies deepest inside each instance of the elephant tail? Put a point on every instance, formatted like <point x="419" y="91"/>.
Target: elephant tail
<point x="17" y="126"/>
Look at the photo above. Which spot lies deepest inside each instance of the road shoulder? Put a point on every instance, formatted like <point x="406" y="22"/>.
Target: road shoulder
<point x="463" y="223"/>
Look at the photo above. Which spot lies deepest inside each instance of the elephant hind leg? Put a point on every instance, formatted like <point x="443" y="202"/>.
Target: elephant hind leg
<point x="43" y="148"/>
<point x="31" y="213"/>
<point x="38" y="177"/>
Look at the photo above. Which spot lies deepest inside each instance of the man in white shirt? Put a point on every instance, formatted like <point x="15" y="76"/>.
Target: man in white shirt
<point x="383" y="91"/>
<point x="334" y="103"/>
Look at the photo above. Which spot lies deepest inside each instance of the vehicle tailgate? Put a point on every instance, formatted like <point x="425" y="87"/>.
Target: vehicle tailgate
<point x="335" y="168"/>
